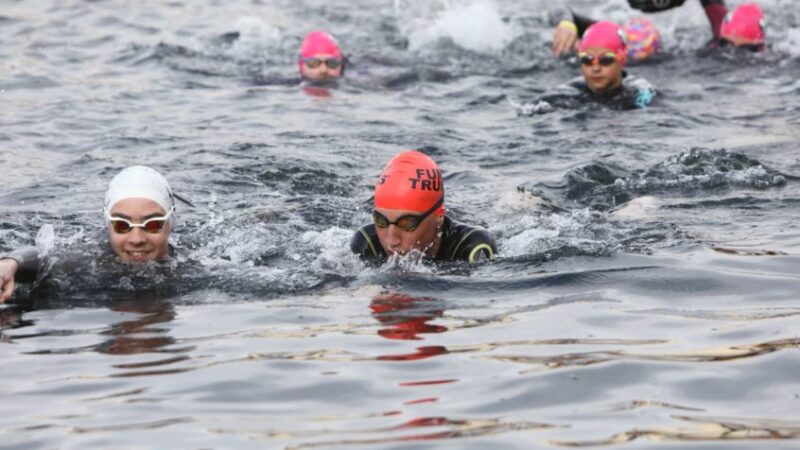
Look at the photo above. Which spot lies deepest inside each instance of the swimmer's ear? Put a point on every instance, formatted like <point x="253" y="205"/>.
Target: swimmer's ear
<point x="178" y="197"/>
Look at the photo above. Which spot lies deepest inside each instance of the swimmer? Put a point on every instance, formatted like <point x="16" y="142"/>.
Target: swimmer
<point x="409" y="216"/>
<point x="571" y="26"/>
<point x="642" y="37"/>
<point x="139" y="213"/>
<point x="744" y="28"/>
<point x="320" y="58"/>
<point x="602" y="54"/>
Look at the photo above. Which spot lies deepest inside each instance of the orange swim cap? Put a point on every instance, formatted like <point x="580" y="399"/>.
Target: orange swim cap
<point x="411" y="181"/>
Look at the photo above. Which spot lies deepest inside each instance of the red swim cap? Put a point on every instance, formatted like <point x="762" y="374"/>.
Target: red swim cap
<point x="319" y="43"/>
<point x="745" y="25"/>
<point x="606" y="35"/>
<point x="411" y="181"/>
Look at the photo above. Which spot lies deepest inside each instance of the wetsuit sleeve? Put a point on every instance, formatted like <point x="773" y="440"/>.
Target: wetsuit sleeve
<point x="563" y="13"/>
<point x="365" y="243"/>
<point x="28" y="260"/>
<point x="582" y="22"/>
<point x="475" y="246"/>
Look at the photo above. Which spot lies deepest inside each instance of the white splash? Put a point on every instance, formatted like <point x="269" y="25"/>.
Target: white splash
<point x="256" y="37"/>
<point x="45" y="239"/>
<point x="475" y="25"/>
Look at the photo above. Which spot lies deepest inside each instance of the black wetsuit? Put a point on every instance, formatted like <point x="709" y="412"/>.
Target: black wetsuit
<point x="29" y="264"/>
<point x="633" y="93"/>
<point x="459" y="243"/>
<point x="32" y="266"/>
<point x="715" y="11"/>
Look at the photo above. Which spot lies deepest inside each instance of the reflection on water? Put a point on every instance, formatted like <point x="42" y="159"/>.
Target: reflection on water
<point x="405" y="318"/>
<point x="699" y="429"/>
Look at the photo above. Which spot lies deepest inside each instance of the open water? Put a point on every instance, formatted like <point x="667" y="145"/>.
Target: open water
<point x="645" y="295"/>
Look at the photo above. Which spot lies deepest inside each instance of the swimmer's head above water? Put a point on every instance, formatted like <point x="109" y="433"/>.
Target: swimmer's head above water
<point x="320" y="58"/>
<point x="139" y="212"/>
<point x="744" y="28"/>
<point x="409" y="205"/>
<point x="603" y="53"/>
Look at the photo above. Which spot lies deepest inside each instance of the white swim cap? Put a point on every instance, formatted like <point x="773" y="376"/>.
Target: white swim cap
<point x="140" y="182"/>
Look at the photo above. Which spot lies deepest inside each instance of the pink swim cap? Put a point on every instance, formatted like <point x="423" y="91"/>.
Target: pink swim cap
<point x="643" y="38"/>
<point x="745" y="25"/>
<point x="318" y="43"/>
<point x="606" y="35"/>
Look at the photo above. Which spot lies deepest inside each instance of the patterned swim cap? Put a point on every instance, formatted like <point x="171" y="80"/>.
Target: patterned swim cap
<point x="643" y="38"/>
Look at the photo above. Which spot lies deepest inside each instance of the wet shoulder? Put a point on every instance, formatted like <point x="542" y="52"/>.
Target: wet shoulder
<point x="565" y="96"/>
<point x="639" y="91"/>
<point x="365" y="243"/>
<point x="461" y="242"/>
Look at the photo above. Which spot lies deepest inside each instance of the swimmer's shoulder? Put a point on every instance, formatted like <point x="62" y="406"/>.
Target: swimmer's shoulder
<point x="365" y="243"/>
<point x="462" y="242"/>
<point x="640" y="91"/>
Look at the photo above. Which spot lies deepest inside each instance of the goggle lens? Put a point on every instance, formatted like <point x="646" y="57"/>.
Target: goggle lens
<point x="604" y="60"/>
<point x="332" y="63"/>
<point x="409" y="222"/>
<point x="120" y="226"/>
<point x="152" y="226"/>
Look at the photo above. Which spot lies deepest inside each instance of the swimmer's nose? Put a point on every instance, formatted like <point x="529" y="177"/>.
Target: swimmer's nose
<point x="394" y="236"/>
<point x="137" y="236"/>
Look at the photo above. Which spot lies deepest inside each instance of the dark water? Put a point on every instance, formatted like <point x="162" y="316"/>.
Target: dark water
<point x="646" y="289"/>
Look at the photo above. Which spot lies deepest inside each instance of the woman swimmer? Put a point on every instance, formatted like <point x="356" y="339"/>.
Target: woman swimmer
<point x="139" y="214"/>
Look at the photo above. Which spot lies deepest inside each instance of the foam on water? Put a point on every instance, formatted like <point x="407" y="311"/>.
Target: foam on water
<point x="256" y="39"/>
<point x="475" y="25"/>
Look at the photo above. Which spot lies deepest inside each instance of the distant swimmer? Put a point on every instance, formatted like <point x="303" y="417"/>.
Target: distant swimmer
<point x="139" y="214"/>
<point x="570" y="26"/>
<point x="602" y="54"/>
<point x="409" y="216"/>
<point x="320" y="58"/>
<point x="744" y="28"/>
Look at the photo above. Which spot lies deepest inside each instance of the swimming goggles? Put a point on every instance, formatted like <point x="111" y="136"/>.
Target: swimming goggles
<point x="754" y="47"/>
<point x="153" y="225"/>
<point x="314" y="62"/>
<point x="407" y="222"/>
<point x="605" y="59"/>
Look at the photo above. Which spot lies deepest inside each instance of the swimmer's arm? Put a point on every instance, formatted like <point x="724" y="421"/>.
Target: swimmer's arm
<point x="478" y="245"/>
<point x="654" y="5"/>
<point x="482" y="247"/>
<point x="582" y="22"/>
<point x="715" y="11"/>
<point x="569" y="28"/>
<point x="363" y="245"/>
<point x="27" y="260"/>
<point x="19" y="266"/>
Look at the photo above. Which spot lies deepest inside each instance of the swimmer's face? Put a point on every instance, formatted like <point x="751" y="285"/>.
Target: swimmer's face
<point x="322" y="71"/>
<point x="137" y="245"/>
<point x="742" y="43"/>
<point x="598" y="77"/>
<point x="425" y="238"/>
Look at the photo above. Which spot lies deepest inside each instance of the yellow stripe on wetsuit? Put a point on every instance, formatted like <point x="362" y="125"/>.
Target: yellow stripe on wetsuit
<point x="476" y="251"/>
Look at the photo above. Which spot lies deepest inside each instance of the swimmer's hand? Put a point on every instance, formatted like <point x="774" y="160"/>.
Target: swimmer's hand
<point x="8" y="268"/>
<point x="654" y="5"/>
<point x="565" y="38"/>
